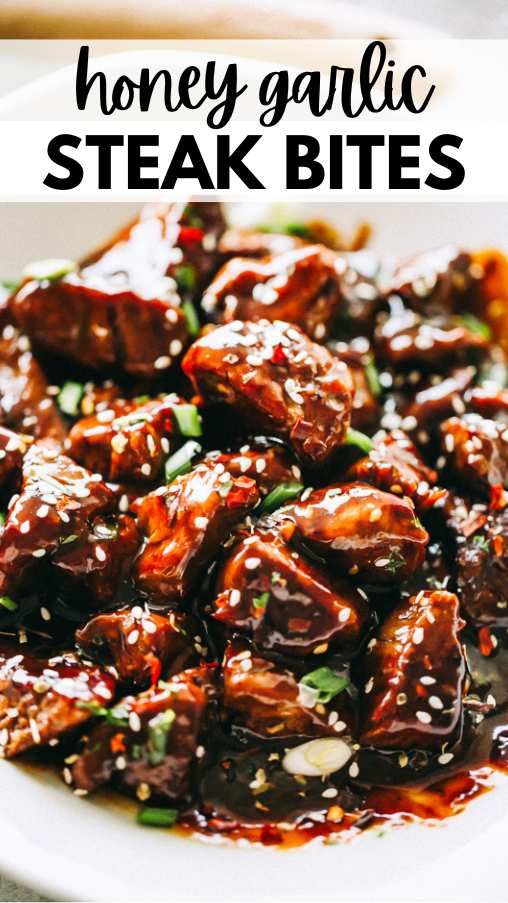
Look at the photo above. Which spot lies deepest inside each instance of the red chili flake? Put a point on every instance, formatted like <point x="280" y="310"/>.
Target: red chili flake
<point x="189" y="235"/>
<point x="498" y="545"/>
<point x="485" y="642"/>
<point x="279" y="356"/>
<point x="117" y="743"/>
<point x="240" y="493"/>
<point x="497" y="497"/>
<point x="155" y="668"/>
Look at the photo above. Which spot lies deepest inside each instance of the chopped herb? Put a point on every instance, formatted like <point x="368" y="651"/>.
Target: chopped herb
<point x="185" y="276"/>
<point x="136" y="751"/>
<point x="298" y="230"/>
<point x="261" y="601"/>
<point x="372" y="376"/>
<point x="191" y="318"/>
<point x="158" y="730"/>
<point x="8" y="285"/>
<point x="72" y="538"/>
<point x="276" y="577"/>
<point x="69" y="398"/>
<point x="224" y="489"/>
<point x="181" y="461"/>
<point x="192" y="218"/>
<point x="482" y="542"/>
<point x="2" y="518"/>
<point x="117" y="717"/>
<point x="142" y="399"/>
<point x="281" y="494"/>
<point x="477" y="326"/>
<point x="8" y="603"/>
<point x="395" y="562"/>
<point x="157" y="818"/>
<point x="363" y="442"/>
<point x="188" y="420"/>
<point x="325" y="682"/>
<point x="50" y="270"/>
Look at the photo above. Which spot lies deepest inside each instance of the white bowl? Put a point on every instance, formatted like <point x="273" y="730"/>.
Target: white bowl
<point x="92" y="849"/>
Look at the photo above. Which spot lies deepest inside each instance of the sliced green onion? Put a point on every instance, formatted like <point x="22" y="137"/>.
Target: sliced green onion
<point x="281" y="494"/>
<point x="3" y="517"/>
<point x="158" y="730"/>
<point x="8" y="285"/>
<point x="188" y="419"/>
<point x="299" y="230"/>
<point x="51" y="269"/>
<point x="157" y="818"/>
<point x="477" y="326"/>
<point x="117" y="717"/>
<point x="181" y="461"/>
<point x="482" y="542"/>
<point x="191" y="318"/>
<point x="185" y="276"/>
<point x="363" y="442"/>
<point x="72" y="538"/>
<point x="395" y="562"/>
<point x="8" y="603"/>
<point x="69" y="398"/>
<point x="261" y="601"/>
<point x="372" y="377"/>
<point x="142" y="399"/>
<point x="325" y="682"/>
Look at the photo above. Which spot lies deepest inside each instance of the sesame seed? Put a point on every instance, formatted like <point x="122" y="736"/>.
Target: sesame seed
<point x="260" y="465"/>
<point x="133" y="637"/>
<point x="162" y="363"/>
<point x="375" y="515"/>
<point x="39" y="553"/>
<point x="418" y="636"/>
<point x="146" y="469"/>
<point x="201" y="523"/>
<point x="234" y="597"/>
<point x="149" y="626"/>
<point x="354" y="770"/>
<point x="67" y="775"/>
<point x="320" y="650"/>
<point x="119" y="443"/>
<point x="401" y="699"/>
<point x="252" y="563"/>
<point x="143" y="792"/>
<point x="100" y="553"/>
<point x="200" y="751"/>
<point x="330" y="793"/>
<point x="344" y="615"/>
<point x="435" y="702"/>
<point x="424" y="717"/>
<point x="369" y="685"/>
<point x="45" y="613"/>
<point x="134" y="722"/>
<point x="427" y="679"/>
<point x="34" y="730"/>
<point x="121" y="763"/>
<point x="175" y="347"/>
<point x="43" y="511"/>
<point x="445" y="758"/>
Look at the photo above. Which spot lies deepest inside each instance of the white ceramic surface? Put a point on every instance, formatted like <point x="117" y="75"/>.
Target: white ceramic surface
<point x="82" y="849"/>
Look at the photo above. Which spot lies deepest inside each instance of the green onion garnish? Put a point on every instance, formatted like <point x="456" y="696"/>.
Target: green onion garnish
<point x="8" y="603"/>
<point x="181" y="461"/>
<point x="142" y="399"/>
<point x="157" y="818"/>
<point x="261" y="601"/>
<point x="117" y="717"/>
<point x="372" y="376"/>
<point x="281" y="494"/>
<point x="185" y="276"/>
<point x="158" y="730"/>
<point x="191" y="318"/>
<point x="363" y="442"/>
<point x="69" y="398"/>
<point x="477" y="326"/>
<point x="188" y="419"/>
<point x="51" y="269"/>
<point x="482" y="542"/>
<point x="3" y="517"/>
<point x="395" y="562"/>
<point x="8" y="285"/>
<point x="325" y="682"/>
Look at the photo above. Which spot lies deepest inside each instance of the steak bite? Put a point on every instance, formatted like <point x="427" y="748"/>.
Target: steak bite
<point x="394" y="465"/>
<point x="285" y="603"/>
<point x="278" y="381"/>
<point x="140" y="644"/>
<point x="185" y="525"/>
<point x="149" y="746"/>
<point x="482" y="570"/>
<point x="301" y="287"/>
<point x="246" y="243"/>
<point x="42" y="699"/>
<point x="477" y="452"/>
<point x="93" y="566"/>
<point x="121" y="307"/>
<point x="406" y="340"/>
<point x="267" y="699"/>
<point x="414" y="675"/>
<point x="25" y="405"/>
<point x="58" y="501"/>
<point x="360" y="530"/>
<point x="439" y="281"/>
<point x="269" y="468"/>
<point x="12" y="448"/>
<point x="435" y="401"/>
<point x="128" y="441"/>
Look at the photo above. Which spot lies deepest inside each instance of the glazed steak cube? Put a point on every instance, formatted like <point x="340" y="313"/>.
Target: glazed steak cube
<point x="25" y="405"/>
<point x="477" y="451"/>
<point x="301" y="286"/>
<point x="482" y="572"/>
<point x="185" y="525"/>
<point x="268" y="700"/>
<point x="58" y="500"/>
<point x="358" y="529"/>
<point x="414" y="674"/>
<point x="246" y="243"/>
<point x="41" y="699"/>
<point x="140" y="644"/>
<point x="268" y="468"/>
<point x="435" y="401"/>
<point x="395" y="466"/>
<point x="406" y="340"/>
<point x="278" y="381"/>
<point x="441" y="280"/>
<point x="121" y="308"/>
<point x="126" y="441"/>
<point x="92" y="567"/>
<point x="285" y="603"/>
<point x="12" y="448"/>
<point x="150" y="747"/>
